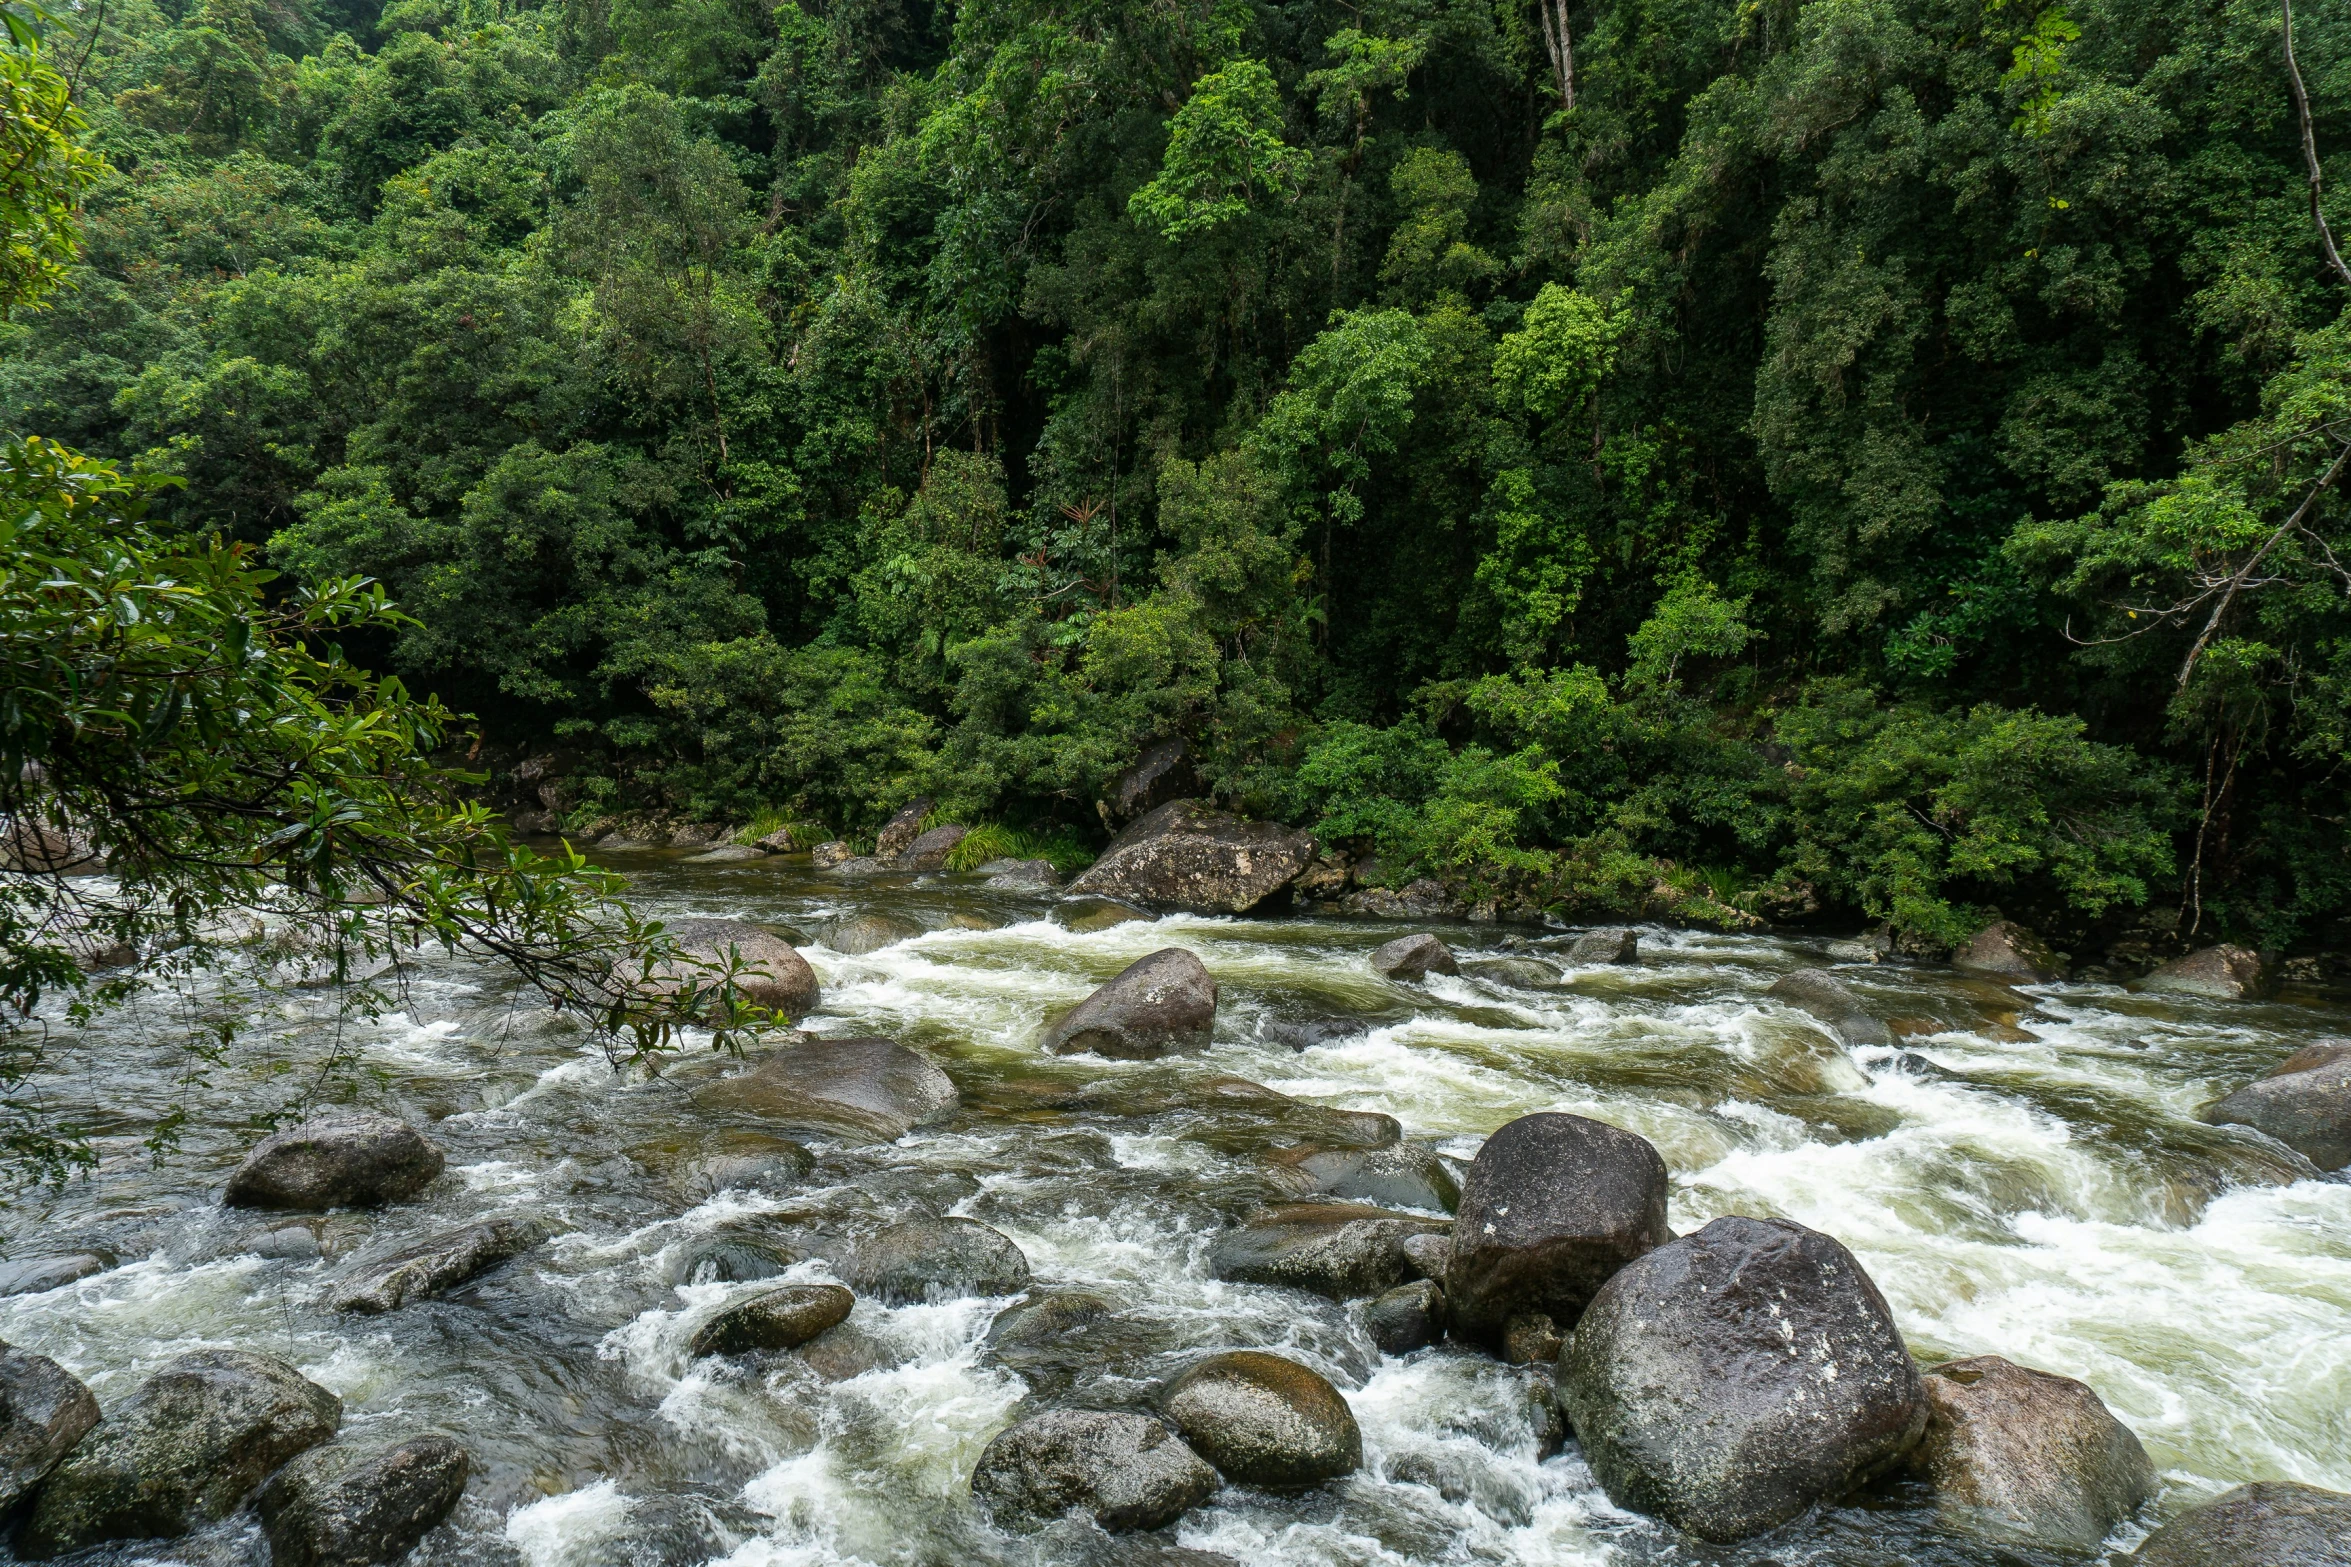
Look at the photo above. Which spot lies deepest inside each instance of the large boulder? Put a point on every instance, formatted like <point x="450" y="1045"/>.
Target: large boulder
<point x="898" y="834"/>
<point x="936" y="1259"/>
<point x="1733" y="1378"/>
<point x="772" y="974"/>
<point x="929" y="851"/>
<point x="1265" y="1421"/>
<point x="1335" y="1249"/>
<point x="2027" y="1458"/>
<point x="1186" y="853"/>
<point x="784" y="1318"/>
<point x="855" y="935"/>
<point x="1827" y="998"/>
<point x="339" y="1161"/>
<point x="1125" y="1471"/>
<point x="1553" y="1206"/>
<point x="188" y="1445"/>
<point x="44" y="1411"/>
<point x="2270" y="1523"/>
<point x="1158" y="1004"/>
<point x="1415" y="957"/>
<point x="348" y="1506"/>
<point x="864" y="1089"/>
<point x="1406" y="1175"/>
<point x="440" y="1263"/>
<point x="1163" y="773"/>
<point x="2222" y="973"/>
<point x="2305" y="1104"/>
<point x="2005" y="950"/>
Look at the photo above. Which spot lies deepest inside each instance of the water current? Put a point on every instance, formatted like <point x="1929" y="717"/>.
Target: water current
<point x="2023" y="1174"/>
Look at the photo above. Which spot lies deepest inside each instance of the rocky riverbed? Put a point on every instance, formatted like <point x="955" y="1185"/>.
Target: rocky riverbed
<point x="954" y="1284"/>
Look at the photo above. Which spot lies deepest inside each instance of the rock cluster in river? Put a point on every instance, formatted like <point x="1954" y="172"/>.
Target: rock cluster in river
<point x="1342" y="1250"/>
<point x="439" y="1263"/>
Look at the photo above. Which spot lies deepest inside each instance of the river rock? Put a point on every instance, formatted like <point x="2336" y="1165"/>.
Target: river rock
<point x="783" y="1318"/>
<point x="1553" y="1206"/>
<point x="1084" y="916"/>
<point x="1042" y="1321"/>
<point x="1265" y="1421"/>
<point x="1163" y="773"/>
<point x="2305" y="1104"/>
<point x="1312" y="1033"/>
<point x="733" y="1259"/>
<point x="1407" y="1175"/>
<point x="337" y="1161"/>
<point x="728" y="854"/>
<point x="2007" y="951"/>
<point x="929" y="852"/>
<point x="1602" y="946"/>
<point x="1019" y="875"/>
<point x="1406" y="1318"/>
<point x="2026" y="1457"/>
<point x="2270" y="1523"/>
<point x="1699" y="1379"/>
<point x="441" y="1263"/>
<point x="780" y="841"/>
<point x="1414" y="957"/>
<point x="745" y="1161"/>
<point x="899" y="833"/>
<point x="859" y="934"/>
<point x="2222" y="973"/>
<point x="1519" y="973"/>
<point x="346" y="1506"/>
<point x="1125" y="1471"/>
<point x="1430" y="1255"/>
<point x="188" y="1445"/>
<point x="936" y="1259"/>
<point x="1158" y="1004"/>
<point x="832" y="854"/>
<point x="39" y="1275"/>
<point x="44" y="1411"/>
<point x="773" y="974"/>
<point x="1186" y="853"/>
<point x="1341" y="1250"/>
<point x="1827" y="998"/>
<point x="864" y="1089"/>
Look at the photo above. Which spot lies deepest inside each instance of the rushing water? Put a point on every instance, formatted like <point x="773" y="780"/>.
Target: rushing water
<point x="2023" y="1175"/>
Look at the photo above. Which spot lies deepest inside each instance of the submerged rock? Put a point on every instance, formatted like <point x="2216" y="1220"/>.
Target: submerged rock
<point x="441" y="1263"/>
<point x="749" y="1161"/>
<point x="2222" y="973"/>
<point x="2008" y="951"/>
<point x="2270" y="1523"/>
<point x="860" y="934"/>
<point x="1699" y="1385"/>
<point x="1519" y="973"/>
<point x="1603" y="946"/>
<point x="1336" y="1249"/>
<point x="1084" y="916"/>
<point x="1407" y="1175"/>
<point x="929" y="852"/>
<point x="1042" y="1321"/>
<point x="1186" y="853"/>
<point x="2026" y="1457"/>
<point x="728" y="854"/>
<point x="936" y="1259"/>
<point x="867" y="1089"/>
<point x="188" y="1445"/>
<point x="899" y="833"/>
<point x="39" y="1275"/>
<point x="1158" y="1004"/>
<point x="1414" y="957"/>
<point x="1406" y="1318"/>
<point x="1826" y="997"/>
<point x="2305" y="1104"/>
<point x="783" y="1318"/>
<point x="339" y="1506"/>
<point x="773" y="975"/>
<point x="1553" y="1207"/>
<point x="1125" y="1471"/>
<point x="354" y="1160"/>
<point x="734" y="1259"/>
<point x="44" y="1411"/>
<point x="1265" y="1421"/>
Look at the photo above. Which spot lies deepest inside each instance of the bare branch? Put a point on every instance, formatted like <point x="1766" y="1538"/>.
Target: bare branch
<point x="2318" y="217"/>
<point x="2244" y="574"/>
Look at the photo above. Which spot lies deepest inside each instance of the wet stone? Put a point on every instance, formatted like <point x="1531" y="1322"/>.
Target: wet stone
<point x="831" y="854"/>
<point x="1312" y="1033"/>
<point x="2271" y="1523"/>
<point x="936" y="1259"/>
<point x="1407" y="1175"/>
<point x="1414" y="957"/>
<point x="770" y="973"/>
<point x="2026" y="1457"/>
<point x="2005" y="950"/>
<point x="1156" y="1006"/>
<point x="1518" y="973"/>
<point x="1041" y="1322"/>
<point x="860" y="934"/>
<point x="1084" y="916"/>
<point x="2222" y="973"/>
<point x="336" y="1161"/>
<point x="1530" y="1339"/>
<point x="1828" y="999"/>
<point x="783" y="1318"/>
<point x="1602" y="946"/>
<point x="44" y="1411"/>
<point x="441" y="1263"/>
<point x="2305" y="1104"/>
<point x="1406" y="1318"/>
<point x="869" y="1090"/>
<point x="728" y="854"/>
<point x="1125" y="1471"/>
<point x="1341" y="1250"/>
<point x="342" y="1506"/>
<point x="734" y="1259"/>
<point x="1265" y="1421"/>
<point x="744" y="1161"/>
<point x="39" y="1275"/>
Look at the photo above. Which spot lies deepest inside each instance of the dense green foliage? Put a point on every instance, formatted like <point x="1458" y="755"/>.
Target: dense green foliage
<point x="1865" y="456"/>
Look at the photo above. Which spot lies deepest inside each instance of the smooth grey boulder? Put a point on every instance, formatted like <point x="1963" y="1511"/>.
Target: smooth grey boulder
<point x="1406" y="1318"/>
<point x="784" y="1318"/>
<point x="1733" y="1378"/>
<point x="1157" y="1005"/>
<point x="859" y="934"/>
<point x="347" y="1506"/>
<point x="2027" y="1458"/>
<point x="870" y="1090"/>
<point x="1341" y="1250"/>
<point x="39" y="1275"/>
<point x="336" y="1161"/>
<point x="1124" y="1471"/>
<point x="2005" y="950"/>
<point x="1553" y="1206"/>
<point x="936" y="1259"/>
<point x="1265" y="1421"/>
<point x="1827" y="998"/>
<point x="772" y="973"/>
<point x="899" y="833"/>
<point x="188" y="1445"/>
<point x="1415" y="957"/>
<point x="1603" y="946"/>
<point x="2222" y="973"/>
<point x="1163" y="773"/>
<point x="440" y="1263"/>
<point x="1037" y="875"/>
<point x="2270" y="1523"/>
<point x="1186" y="853"/>
<point x="1406" y="1175"/>
<point x="44" y="1411"/>
<point x="929" y="851"/>
<point x="2305" y="1103"/>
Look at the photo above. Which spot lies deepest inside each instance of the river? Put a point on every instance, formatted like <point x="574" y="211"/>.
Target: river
<point x="2023" y="1174"/>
